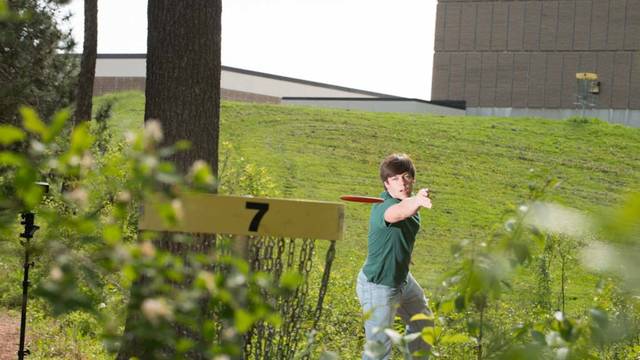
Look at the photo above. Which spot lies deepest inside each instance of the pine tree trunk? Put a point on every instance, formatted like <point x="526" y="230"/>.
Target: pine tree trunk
<point x="183" y="93"/>
<point x="84" y="91"/>
<point x="183" y="75"/>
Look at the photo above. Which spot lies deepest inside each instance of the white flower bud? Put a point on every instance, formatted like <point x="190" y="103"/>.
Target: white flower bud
<point x="153" y="130"/>
<point x="123" y="196"/>
<point x="156" y="309"/>
<point x="178" y="209"/>
<point x="79" y="196"/>
<point x="56" y="273"/>
<point x="147" y="249"/>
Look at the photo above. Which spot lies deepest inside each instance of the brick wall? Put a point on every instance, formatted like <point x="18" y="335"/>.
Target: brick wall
<point x="103" y="85"/>
<point x="526" y="53"/>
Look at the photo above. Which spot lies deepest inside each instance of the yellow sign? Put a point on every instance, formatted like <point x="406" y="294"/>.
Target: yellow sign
<point x="586" y="76"/>
<point x="218" y="214"/>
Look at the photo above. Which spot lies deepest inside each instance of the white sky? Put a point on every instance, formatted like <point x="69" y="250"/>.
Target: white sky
<point x="377" y="45"/>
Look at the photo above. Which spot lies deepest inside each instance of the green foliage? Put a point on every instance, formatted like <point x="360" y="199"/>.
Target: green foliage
<point x="241" y="177"/>
<point x="90" y="244"/>
<point x="69" y="336"/>
<point x="478" y="168"/>
<point x="586" y="336"/>
<point x="579" y="120"/>
<point x="37" y="67"/>
<point x="4" y="9"/>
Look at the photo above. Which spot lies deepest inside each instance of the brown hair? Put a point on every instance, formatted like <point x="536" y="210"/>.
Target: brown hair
<point x="396" y="164"/>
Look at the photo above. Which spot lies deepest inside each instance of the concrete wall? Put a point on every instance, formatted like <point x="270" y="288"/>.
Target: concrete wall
<point x="103" y="85"/>
<point x="134" y="66"/>
<point x="525" y="54"/>
<point x="116" y="72"/>
<point x="617" y="116"/>
<point x="281" y="87"/>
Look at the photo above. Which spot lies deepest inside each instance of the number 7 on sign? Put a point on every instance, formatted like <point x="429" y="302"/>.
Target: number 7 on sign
<point x="262" y="209"/>
<point x="239" y="215"/>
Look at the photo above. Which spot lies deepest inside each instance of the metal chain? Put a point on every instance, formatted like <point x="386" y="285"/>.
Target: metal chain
<point x="264" y="341"/>
<point x="277" y="271"/>
<point x="324" y="284"/>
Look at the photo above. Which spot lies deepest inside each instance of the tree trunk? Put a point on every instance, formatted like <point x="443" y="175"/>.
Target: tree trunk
<point x="183" y="76"/>
<point x="84" y="91"/>
<point x="183" y="93"/>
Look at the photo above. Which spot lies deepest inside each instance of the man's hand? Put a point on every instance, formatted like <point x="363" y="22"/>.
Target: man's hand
<point x="422" y="198"/>
<point x="408" y="207"/>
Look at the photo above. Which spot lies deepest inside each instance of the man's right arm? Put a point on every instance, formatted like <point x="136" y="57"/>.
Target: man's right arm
<point x="408" y="207"/>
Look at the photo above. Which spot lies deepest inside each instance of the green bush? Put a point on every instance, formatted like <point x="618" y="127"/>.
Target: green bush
<point x="90" y="254"/>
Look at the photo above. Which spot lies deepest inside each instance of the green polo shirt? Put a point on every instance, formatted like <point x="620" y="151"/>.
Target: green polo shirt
<point x="389" y="245"/>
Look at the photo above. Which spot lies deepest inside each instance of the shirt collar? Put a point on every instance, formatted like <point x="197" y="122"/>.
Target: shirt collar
<point x="385" y="195"/>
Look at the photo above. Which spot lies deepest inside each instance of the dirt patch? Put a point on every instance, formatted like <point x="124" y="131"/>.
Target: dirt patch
<point x="9" y="337"/>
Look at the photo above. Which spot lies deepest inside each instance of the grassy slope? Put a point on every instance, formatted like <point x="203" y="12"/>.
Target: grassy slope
<point x="477" y="167"/>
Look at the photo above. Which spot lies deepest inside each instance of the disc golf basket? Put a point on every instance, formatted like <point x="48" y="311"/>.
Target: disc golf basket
<point x="278" y="236"/>
<point x="588" y="87"/>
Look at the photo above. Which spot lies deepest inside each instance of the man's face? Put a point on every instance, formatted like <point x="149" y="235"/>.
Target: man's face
<point x="400" y="186"/>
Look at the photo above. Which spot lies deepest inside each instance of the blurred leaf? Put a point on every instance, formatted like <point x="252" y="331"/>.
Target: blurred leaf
<point x="446" y="307"/>
<point x="167" y="213"/>
<point x="26" y="188"/>
<point x="274" y="319"/>
<point x="421" y="316"/>
<point x="168" y="178"/>
<point x="423" y="354"/>
<point x="473" y="327"/>
<point x="60" y="118"/>
<point x="201" y="174"/>
<point x="112" y="234"/>
<point x="290" y="280"/>
<point x="31" y="121"/>
<point x="538" y="337"/>
<point x="428" y="335"/>
<point x="623" y="224"/>
<point x="4" y="9"/>
<point x="600" y="317"/>
<point x="456" y="248"/>
<point x="208" y="329"/>
<point x="184" y="344"/>
<point x="455" y="339"/>
<point x="460" y="303"/>
<point x="10" y="134"/>
<point x="81" y="139"/>
<point x="129" y="273"/>
<point x="243" y="320"/>
<point x="524" y="352"/>
<point x="8" y="158"/>
<point x="617" y="258"/>
<point x="240" y="264"/>
<point x="522" y="253"/>
<point x="183" y="145"/>
<point x="557" y="219"/>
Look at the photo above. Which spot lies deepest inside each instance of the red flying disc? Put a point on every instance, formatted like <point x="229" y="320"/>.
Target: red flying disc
<point x="361" y="199"/>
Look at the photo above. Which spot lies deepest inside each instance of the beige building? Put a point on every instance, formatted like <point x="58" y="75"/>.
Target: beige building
<point x="521" y="57"/>
<point x="118" y="72"/>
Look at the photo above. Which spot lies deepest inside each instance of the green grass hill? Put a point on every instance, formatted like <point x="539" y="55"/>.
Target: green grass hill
<point x="476" y="167"/>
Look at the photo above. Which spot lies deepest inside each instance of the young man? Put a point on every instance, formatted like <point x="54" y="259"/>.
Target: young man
<point x="385" y="286"/>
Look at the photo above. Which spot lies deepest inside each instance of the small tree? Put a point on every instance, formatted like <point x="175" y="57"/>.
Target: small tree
<point x="37" y="68"/>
